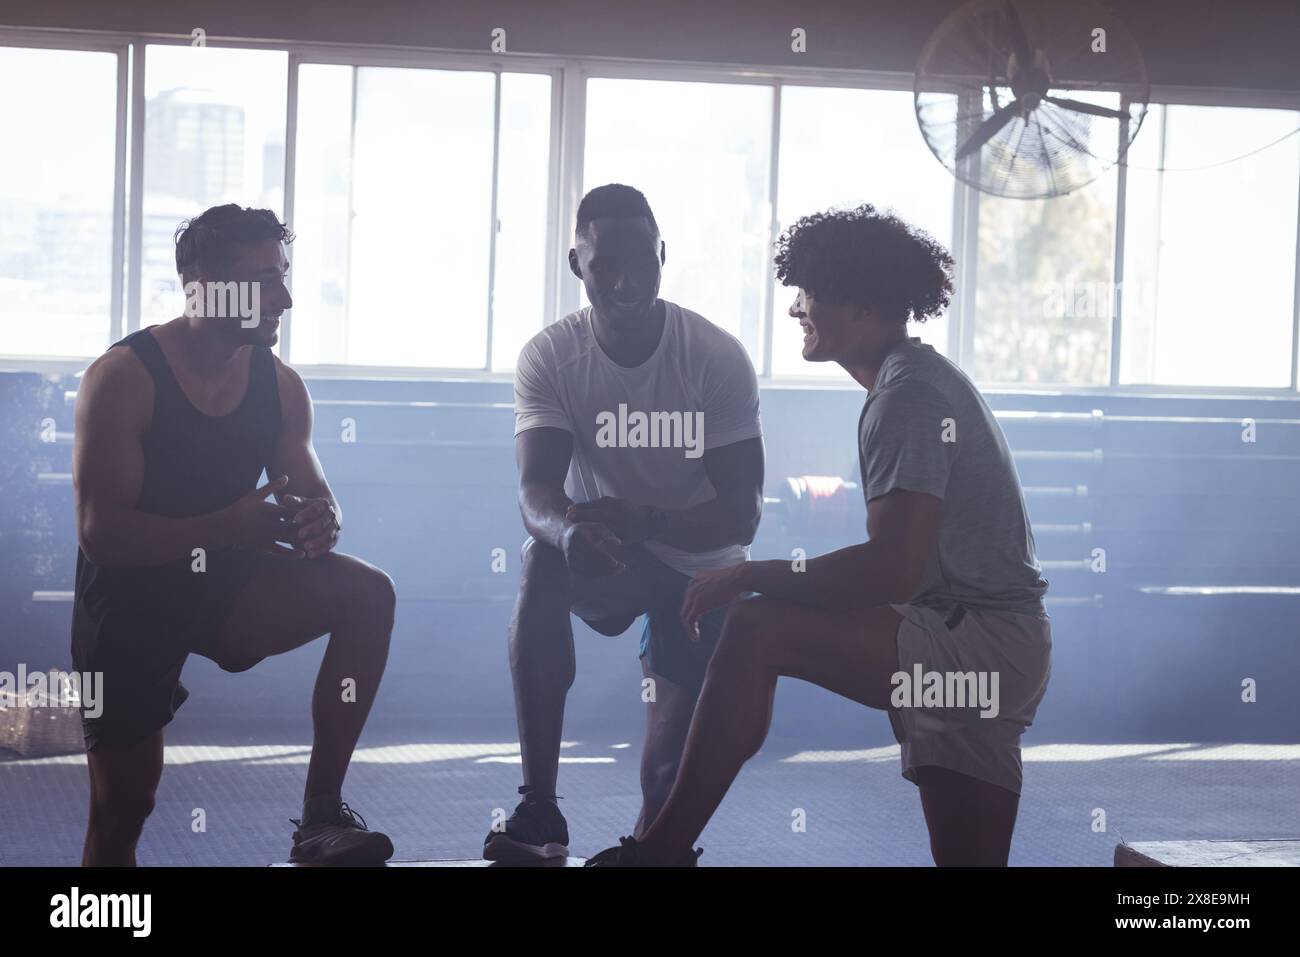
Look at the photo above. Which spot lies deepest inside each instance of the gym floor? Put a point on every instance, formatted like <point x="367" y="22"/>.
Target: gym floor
<point x="435" y="798"/>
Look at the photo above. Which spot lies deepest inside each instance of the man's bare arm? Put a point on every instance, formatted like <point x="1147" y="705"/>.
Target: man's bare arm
<point x="731" y="517"/>
<point x="886" y="570"/>
<point x="543" y="457"/>
<point x="307" y="492"/>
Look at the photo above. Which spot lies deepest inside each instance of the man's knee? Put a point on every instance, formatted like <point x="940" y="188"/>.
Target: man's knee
<point x="368" y="591"/>
<point x="542" y="564"/>
<point x="543" y="603"/>
<point x="541" y="638"/>
<point x="751" y="631"/>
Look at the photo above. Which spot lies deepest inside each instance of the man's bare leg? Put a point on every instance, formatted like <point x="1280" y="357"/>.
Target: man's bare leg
<point x="293" y="601"/>
<point x="854" y="656"/>
<point x="541" y="663"/>
<point x="123" y="782"/>
<point x="668" y="721"/>
<point x="970" y="821"/>
<point x="762" y="640"/>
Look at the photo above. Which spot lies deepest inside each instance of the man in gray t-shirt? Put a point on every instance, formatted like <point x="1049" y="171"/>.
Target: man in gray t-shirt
<point x="927" y="429"/>
<point x="936" y="619"/>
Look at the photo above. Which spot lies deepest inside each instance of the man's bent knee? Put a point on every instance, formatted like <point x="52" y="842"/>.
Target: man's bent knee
<point x="537" y="557"/>
<point x="369" y="592"/>
<point x="752" y="624"/>
<point x="542" y="608"/>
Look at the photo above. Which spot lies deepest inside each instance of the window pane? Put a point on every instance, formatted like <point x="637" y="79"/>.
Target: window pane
<point x="56" y="201"/>
<point x="1209" y="254"/>
<point x="1045" y="287"/>
<point x="843" y="147"/>
<point x="214" y="134"/>
<point x="420" y="205"/>
<point x="701" y="153"/>
<point x="523" y="185"/>
<point x="321" y="183"/>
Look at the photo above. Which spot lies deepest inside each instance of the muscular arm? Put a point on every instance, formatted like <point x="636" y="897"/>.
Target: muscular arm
<point x="543" y="457"/>
<point x="317" y="517"/>
<point x="904" y="530"/>
<point x="731" y="517"/>
<point x="114" y="408"/>
<point x="294" y="455"/>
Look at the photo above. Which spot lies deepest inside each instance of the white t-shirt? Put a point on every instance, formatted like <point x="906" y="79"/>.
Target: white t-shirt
<point x="639" y="434"/>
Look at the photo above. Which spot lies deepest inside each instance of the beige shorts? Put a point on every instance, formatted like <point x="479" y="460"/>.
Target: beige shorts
<point x="973" y="683"/>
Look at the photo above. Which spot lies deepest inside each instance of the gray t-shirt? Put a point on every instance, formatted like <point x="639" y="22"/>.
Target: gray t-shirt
<point x="925" y="428"/>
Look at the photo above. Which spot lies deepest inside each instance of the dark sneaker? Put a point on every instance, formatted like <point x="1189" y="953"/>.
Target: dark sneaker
<point x="535" y="832"/>
<point x="628" y="852"/>
<point x="339" y="840"/>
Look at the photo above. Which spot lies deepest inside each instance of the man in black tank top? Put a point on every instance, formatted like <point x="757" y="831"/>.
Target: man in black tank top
<point x="181" y="551"/>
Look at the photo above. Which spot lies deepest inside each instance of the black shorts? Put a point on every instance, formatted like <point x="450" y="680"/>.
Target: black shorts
<point x="137" y="629"/>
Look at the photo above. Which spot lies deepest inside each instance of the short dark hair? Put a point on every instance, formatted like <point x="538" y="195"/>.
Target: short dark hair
<point x="206" y="244"/>
<point x="868" y="258"/>
<point x="614" y="201"/>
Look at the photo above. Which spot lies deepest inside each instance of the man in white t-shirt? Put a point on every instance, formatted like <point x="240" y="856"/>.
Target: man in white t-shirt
<point x="640" y="464"/>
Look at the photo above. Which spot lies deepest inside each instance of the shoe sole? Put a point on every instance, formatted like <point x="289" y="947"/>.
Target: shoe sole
<point x="503" y="849"/>
<point x="356" y="857"/>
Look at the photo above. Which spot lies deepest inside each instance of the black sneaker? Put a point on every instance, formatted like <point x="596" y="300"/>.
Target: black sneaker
<point x="339" y="840"/>
<point x="628" y="852"/>
<point x="535" y="832"/>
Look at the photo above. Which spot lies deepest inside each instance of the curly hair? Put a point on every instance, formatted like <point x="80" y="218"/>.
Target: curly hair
<point x="206" y="244"/>
<point x="868" y="258"/>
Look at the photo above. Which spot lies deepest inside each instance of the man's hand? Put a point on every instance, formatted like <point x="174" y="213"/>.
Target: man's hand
<point x="257" y="523"/>
<point x="316" y="524"/>
<point x="709" y="591"/>
<point x="591" y="549"/>
<point x="631" y="523"/>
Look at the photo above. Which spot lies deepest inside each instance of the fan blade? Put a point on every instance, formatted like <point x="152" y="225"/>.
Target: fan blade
<point x="987" y="130"/>
<point x="1019" y="42"/>
<point x="1080" y="107"/>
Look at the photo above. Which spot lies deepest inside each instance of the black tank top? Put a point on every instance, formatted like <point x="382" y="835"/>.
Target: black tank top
<point x="193" y="464"/>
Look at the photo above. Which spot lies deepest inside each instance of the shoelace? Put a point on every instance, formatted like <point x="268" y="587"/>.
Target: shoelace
<point x="355" y="819"/>
<point x="347" y="818"/>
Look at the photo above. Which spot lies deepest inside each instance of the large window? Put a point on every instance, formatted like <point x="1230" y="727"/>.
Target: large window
<point x="415" y="289"/>
<point x="56" y="200"/>
<point x="842" y="147"/>
<point x="1210" y="248"/>
<point x="393" y="207"/>
<point x="433" y="198"/>
<point x="1044" y="288"/>
<point x="701" y="153"/>
<point x="519" y="289"/>
<point x="213" y="134"/>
